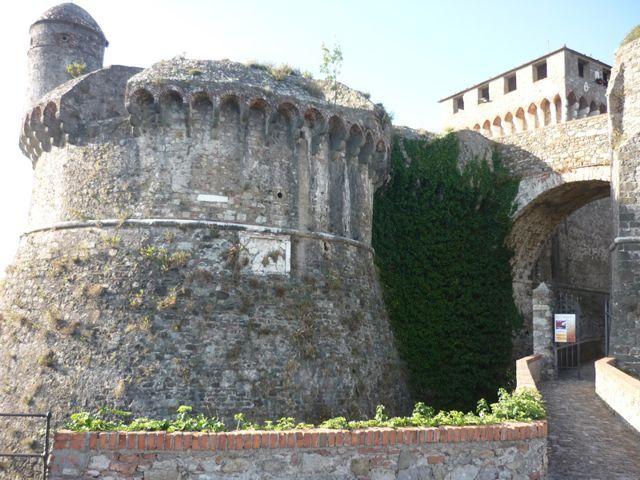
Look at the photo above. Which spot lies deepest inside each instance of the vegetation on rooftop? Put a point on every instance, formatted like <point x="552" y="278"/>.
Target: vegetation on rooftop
<point x="634" y="34"/>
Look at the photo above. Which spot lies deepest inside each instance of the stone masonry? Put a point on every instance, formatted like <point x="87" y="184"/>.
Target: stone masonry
<point x="624" y="98"/>
<point x="199" y="234"/>
<point x="514" y="451"/>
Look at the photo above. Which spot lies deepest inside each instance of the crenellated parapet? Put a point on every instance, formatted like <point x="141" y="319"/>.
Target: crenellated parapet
<point x="74" y="112"/>
<point x="205" y="97"/>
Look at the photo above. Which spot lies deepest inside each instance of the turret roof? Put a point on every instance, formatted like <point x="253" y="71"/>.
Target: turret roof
<point x="70" y="13"/>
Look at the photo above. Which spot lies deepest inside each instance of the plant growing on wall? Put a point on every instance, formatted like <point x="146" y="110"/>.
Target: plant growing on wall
<point x="331" y="67"/>
<point x="439" y="236"/>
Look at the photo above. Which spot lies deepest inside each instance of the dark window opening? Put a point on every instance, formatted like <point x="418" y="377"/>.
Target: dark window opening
<point x="483" y="94"/>
<point x="540" y="71"/>
<point x="458" y="104"/>
<point x="582" y="68"/>
<point x="606" y="75"/>
<point x="510" y="84"/>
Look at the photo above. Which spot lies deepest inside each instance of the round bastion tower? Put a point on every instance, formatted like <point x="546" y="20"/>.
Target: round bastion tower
<point x="199" y="234"/>
<point x="64" y="35"/>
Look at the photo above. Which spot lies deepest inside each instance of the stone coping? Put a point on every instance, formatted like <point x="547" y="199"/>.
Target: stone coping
<point x="295" y="439"/>
<point x="528" y="371"/>
<point x="618" y="390"/>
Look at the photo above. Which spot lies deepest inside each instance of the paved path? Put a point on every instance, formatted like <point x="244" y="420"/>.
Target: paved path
<point x="587" y="441"/>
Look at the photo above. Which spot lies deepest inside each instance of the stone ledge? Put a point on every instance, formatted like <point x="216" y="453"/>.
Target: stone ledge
<point x="618" y="390"/>
<point x="294" y="439"/>
<point x="529" y="371"/>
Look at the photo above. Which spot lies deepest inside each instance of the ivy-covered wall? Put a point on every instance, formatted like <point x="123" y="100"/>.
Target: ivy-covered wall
<point x="439" y="235"/>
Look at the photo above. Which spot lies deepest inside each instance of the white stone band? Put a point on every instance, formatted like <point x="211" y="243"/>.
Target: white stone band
<point x="176" y="222"/>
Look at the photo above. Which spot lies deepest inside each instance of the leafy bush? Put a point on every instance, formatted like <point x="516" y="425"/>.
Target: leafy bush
<point x="523" y="405"/>
<point x="439" y="235"/>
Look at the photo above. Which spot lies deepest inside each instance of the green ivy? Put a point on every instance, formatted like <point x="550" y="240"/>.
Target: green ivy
<point x="523" y="405"/>
<point x="439" y="236"/>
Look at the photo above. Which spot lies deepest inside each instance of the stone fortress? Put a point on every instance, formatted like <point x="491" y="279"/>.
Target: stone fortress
<point x="199" y="234"/>
<point x="519" y="110"/>
<point x="200" y="230"/>
<point x="559" y="86"/>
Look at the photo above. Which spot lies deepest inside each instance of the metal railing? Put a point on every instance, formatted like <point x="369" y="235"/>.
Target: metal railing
<point x="45" y="451"/>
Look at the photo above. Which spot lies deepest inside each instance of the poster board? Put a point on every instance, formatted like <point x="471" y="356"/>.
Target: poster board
<point x="564" y="327"/>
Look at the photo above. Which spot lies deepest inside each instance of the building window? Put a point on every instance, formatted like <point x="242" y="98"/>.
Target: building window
<point x="540" y="71"/>
<point x="458" y="104"/>
<point x="582" y="68"/>
<point x="483" y="94"/>
<point x="606" y="75"/>
<point x="510" y="83"/>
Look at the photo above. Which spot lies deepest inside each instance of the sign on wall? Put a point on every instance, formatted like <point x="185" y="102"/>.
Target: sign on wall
<point x="565" y="327"/>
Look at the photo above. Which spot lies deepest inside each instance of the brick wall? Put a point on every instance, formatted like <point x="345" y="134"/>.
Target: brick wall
<point x="515" y="450"/>
<point x="619" y="390"/>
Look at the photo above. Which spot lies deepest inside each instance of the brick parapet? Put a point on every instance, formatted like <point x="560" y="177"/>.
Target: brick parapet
<point x="294" y="439"/>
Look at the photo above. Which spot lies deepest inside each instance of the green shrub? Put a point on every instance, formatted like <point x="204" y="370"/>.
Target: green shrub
<point x="76" y="69"/>
<point x="523" y="405"/>
<point x="439" y="235"/>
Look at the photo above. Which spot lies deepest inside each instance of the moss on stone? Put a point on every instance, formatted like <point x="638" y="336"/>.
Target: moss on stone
<point x="634" y="34"/>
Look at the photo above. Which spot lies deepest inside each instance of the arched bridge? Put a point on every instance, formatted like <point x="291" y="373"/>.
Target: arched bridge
<point x="561" y="167"/>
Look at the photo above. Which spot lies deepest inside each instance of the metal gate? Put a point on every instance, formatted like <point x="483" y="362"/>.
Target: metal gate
<point x="45" y="451"/>
<point x="567" y="355"/>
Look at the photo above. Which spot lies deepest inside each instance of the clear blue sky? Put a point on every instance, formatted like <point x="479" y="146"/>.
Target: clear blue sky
<point x="407" y="54"/>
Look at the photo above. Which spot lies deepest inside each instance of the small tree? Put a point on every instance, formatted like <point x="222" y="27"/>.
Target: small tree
<point x="331" y="66"/>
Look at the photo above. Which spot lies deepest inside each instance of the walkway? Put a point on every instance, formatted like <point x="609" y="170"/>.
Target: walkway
<point x="587" y="441"/>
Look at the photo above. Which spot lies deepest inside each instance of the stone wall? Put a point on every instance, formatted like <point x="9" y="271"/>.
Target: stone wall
<point x="462" y="453"/>
<point x="624" y="99"/>
<point x="619" y="390"/>
<point x="200" y="234"/>
<point x="562" y="168"/>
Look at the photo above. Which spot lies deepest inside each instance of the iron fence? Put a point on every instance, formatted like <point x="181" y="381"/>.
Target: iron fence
<point x="45" y="451"/>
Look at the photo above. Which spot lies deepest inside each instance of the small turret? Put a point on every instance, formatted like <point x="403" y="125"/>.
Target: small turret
<point x="65" y="42"/>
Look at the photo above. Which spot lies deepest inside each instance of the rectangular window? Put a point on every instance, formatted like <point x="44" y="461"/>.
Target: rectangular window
<point x="510" y="83"/>
<point x="458" y="104"/>
<point x="540" y="71"/>
<point x="582" y="68"/>
<point x="483" y="94"/>
<point x="606" y="74"/>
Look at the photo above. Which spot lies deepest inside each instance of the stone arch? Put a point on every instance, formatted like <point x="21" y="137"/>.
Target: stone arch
<point x="602" y="108"/>
<point x="52" y="124"/>
<point x="201" y="112"/>
<point x="583" y="107"/>
<point x="557" y="102"/>
<point x="532" y="116"/>
<point x="486" y="128"/>
<point x="509" y="126"/>
<point x="521" y="120"/>
<point x="337" y="133"/>
<point x="593" y="109"/>
<point x="545" y="110"/>
<point x="141" y="107"/>
<point x="572" y="106"/>
<point x="315" y="124"/>
<point x="337" y="174"/>
<point x="556" y="197"/>
<point x="354" y="191"/>
<point x="257" y="121"/>
<point x="496" y="129"/>
<point x="229" y="116"/>
<point x="172" y="109"/>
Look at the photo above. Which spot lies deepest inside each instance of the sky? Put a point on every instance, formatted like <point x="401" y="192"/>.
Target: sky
<point x="406" y="54"/>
